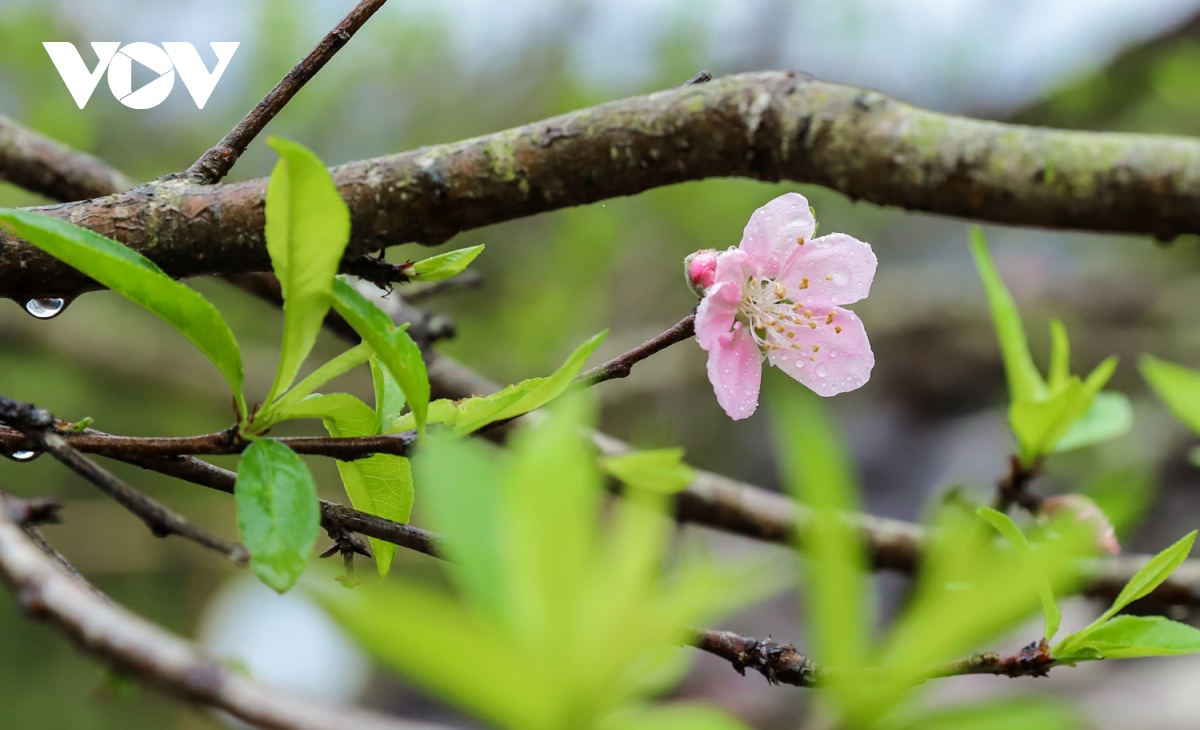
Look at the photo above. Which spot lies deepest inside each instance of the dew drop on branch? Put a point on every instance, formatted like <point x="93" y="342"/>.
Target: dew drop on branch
<point x="45" y="308"/>
<point x="24" y="455"/>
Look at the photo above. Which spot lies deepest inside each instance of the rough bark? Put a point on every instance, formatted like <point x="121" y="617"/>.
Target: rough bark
<point x="767" y="126"/>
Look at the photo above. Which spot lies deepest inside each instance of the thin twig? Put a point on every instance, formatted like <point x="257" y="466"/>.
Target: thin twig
<point x="41" y="429"/>
<point x="146" y="652"/>
<point x="783" y="664"/>
<point x="1014" y="487"/>
<point x="216" y="163"/>
<point x="333" y="515"/>
<point x="46" y="167"/>
<point x="620" y="366"/>
<point x="223" y="443"/>
<point x="28" y="514"/>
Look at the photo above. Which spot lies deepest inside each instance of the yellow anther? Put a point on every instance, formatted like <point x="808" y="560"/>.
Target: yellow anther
<point x="800" y="240"/>
<point x="804" y="283"/>
<point x="779" y="329"/>
<point x="829" y="277"/>
<point x="812" y="325"/>
<point x="829" y="319"/>
<point x="816" y="348"/>
<point x="838" y="329"/>
<point x="791" y="334"/>
<point x="812" y="358"/>
<point x="780" y="291"/>
<point x="808" y="313"/>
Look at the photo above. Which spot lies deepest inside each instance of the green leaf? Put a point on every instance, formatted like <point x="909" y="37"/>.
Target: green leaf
<point x="1024" y="713"/>
<point x="1038" y="425"/>
<point x="123" y="270"/>
<point x="1024" y="381"/>
<point x="443" y="266"/>
<point x="1125" y="637"/>
<point x="278" y="512"/>
<point x="381" y="484"/>
<point x="1110" y="416"/>
<point x="338" y="366"/>
<point x="1005" y="526"/>
<point x="462" y="500"/>
<point x="389" y="398"/>
<point x="661" y="470"/>
<point x="471" y="414"/>
<point x="1151" y="575"/>
<point x="820" y="473"/>
<point x="308" y="227"/>
<point x="676" y="716"/>
<point x="1176" y="386"/>
<point x="1060" y="356"/>
<point x="394" y="348"/>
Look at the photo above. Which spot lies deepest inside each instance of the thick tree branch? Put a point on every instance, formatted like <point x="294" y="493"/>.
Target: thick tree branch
<point x="218" y="161"/>
<point x="43" y="166"/>
<point x="126" y="642"/>
<point x="41" y="430"/>
<point x="767" y="126"/>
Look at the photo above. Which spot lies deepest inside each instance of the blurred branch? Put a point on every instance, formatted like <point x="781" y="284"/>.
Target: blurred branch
<point x="40" y="428"/>
<point x="766" y="126"/>
<point x="223" y="443"/>
<point x="28" y="514"/>
<point x="40" y="165"/>
<point x="1014" y="488"/>
<point x="216" y="163"/>
<point x="128" y="643"/>
<point x="725" y="504"/>
<point x="469" y="279"/>
<point x="782" y="664"/>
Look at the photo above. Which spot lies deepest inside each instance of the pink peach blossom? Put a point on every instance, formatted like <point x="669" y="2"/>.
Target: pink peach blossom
<point x="776" y="296"/>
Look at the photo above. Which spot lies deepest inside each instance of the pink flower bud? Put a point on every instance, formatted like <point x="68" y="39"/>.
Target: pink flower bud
<point x="1087" y="511"/>
<point x="701" y="269"/>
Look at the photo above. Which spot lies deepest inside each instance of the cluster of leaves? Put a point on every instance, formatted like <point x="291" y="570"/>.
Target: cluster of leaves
<point x="558" y="618"/>
<point x="1062" y="411"/>
<point x="970" y="590"/>
<point x="307" y="231"/>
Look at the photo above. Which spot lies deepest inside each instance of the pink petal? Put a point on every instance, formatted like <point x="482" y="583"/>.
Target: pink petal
<point x="735" y="370"/>
<point x="735" y="267"/>
<point x="839" y="270"/>
<point x="775" y="230"/>
<point x="714" y="316"/>
<point x="843" y="359"/>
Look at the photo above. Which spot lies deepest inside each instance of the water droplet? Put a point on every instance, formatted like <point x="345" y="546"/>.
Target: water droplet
<point x="822" y="371"/>
<point x="24" y="455"/>
<point x="799" y="364"/>
<point x="45" y="308"/>
<point x="833" y="353"/>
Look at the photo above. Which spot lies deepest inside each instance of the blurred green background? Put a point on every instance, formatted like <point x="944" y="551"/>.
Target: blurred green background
<point x="425" y="72"/>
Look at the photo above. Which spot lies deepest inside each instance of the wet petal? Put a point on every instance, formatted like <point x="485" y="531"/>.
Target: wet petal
<point x="775" y="230"/>
<point x="715" y="315"/>
<point x="735" y="371"/>
<point x="734" y="266"/>
<point x="833" y="269"/>
<point x="827" y="351"/>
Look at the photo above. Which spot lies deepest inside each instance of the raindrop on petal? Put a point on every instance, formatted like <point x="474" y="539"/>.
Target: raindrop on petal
<point x="822" y="371"/>
<point x="45" y="308"/>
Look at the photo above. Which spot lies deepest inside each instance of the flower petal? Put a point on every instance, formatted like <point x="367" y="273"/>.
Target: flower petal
<point x="828" y="351"/>
<point x="714" y="316"/>
<point x="735" y="371"/>
<point x="832" y="269"/>
<point x="775" y="230"/>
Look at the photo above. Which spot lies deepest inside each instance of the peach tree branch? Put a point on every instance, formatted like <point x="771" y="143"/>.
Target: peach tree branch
<point x="43" y="166"/>
<point x="766" y="126"/>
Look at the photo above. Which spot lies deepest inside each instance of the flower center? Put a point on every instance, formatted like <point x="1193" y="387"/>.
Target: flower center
<point x="773" y="318"/>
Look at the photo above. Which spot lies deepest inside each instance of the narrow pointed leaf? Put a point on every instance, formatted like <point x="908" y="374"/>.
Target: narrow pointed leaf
<point x="1024" y="381"/>
<point x="392" y="345"/>
<point x="1176" y="386"/>
<point x="444" y="266"/>
<point x="1060" y="355"/>
<point x="1110" y="416"/>
<point x="1005" y="526"/>
<point x="308" y="227"/>
<point x="123" y="270"/>
<point x="336" y="367"/>
<point x="1125" y="637"/>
